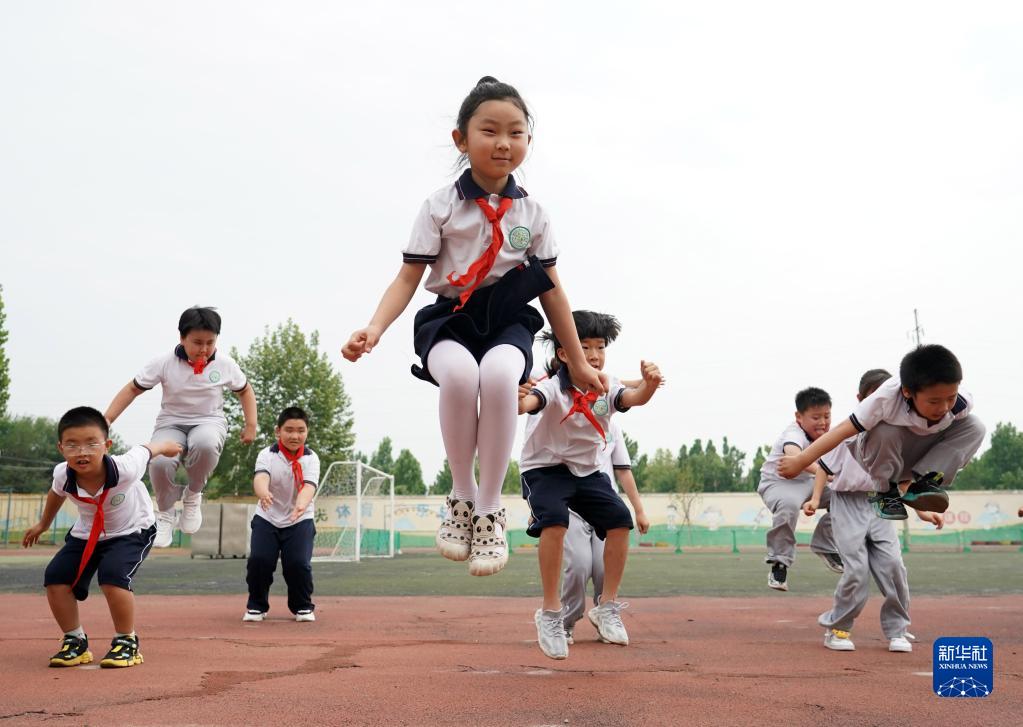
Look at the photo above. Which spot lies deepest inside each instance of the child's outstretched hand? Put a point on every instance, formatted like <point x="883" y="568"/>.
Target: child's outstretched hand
<point x="362" y="341"/>
<point x="248" y="435"/>
<point x="651" y="374"/>
<point x="810" y="507"/>
<point x="592" y="380"/>
<point x="296" y="513"/>
<point x="527" y="387"/>
<point x="788" y="466"/>
<point x="32" y="535"/>
<point x="933" y="518"/>
<point x="266" y="500"/>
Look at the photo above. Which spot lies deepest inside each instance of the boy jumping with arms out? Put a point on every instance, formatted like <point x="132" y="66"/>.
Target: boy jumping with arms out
<point x="784" y="499"/>
<point x="913" y="434"/>
<point x="287" y="474"/>
<point x="868" y="545"/>
<point x="112" y="535"/>
<point x="194" y="376"/>
<point x="561" y="470"/>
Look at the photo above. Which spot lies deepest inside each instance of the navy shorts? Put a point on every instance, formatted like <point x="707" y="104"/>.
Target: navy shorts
<point x="115" y="560"/>
<point x="552" y="491"/>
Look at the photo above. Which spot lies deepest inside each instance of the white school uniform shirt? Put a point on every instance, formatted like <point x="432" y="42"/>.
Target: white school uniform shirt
<point x="574" y="443"/>
<point x="887" y="404"/>
<point x="127" y="509"/>
<point x="190" y="398"/>
<point x="793" y="434"/>
<point x="849" y="475"/>
<point x="451" y="232"/>
<point x="282" y="484"/>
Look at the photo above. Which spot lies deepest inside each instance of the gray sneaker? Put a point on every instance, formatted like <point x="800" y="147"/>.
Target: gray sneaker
<point x="607" y="618"/>
<point x="550" y="633"/>
<point x="569" y="635"/>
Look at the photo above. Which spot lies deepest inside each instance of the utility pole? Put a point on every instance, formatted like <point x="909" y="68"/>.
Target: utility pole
<point x="916" y="333"/>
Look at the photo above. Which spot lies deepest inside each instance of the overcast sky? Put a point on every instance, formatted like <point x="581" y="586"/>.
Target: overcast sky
<point x="761" y="192"/>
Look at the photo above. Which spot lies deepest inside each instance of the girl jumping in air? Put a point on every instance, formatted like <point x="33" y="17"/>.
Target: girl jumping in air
<point x="491" y="251"/>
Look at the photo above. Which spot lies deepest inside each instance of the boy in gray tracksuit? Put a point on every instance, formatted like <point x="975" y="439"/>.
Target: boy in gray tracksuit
<point x="868" y="545"/>
<point x="784" y="497"/>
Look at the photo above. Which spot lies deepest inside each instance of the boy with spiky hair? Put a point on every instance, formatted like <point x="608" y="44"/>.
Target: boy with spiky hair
<point x="784" y="499"/>
<point x="561" y="472"/>
<point x="111" y="537"/>
<point x="194" y="376"/>
<point x="913" y="434"/>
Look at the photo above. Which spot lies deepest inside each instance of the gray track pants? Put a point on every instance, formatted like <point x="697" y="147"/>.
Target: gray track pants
<point x="893" y="454"/>
<point x="203" y="444"/>
<point x="869" y="546"/>
<point x="583" y="559"/>
<point x="785" y="499"/>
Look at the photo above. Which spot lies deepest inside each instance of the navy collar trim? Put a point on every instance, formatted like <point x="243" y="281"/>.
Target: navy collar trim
<point x="276" y="448"/>
<point x="110" y="476"/>
<point x="468" y="189"/>
<point x="179" y="351"/>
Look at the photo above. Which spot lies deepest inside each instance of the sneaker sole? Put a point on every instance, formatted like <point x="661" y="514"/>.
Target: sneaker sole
<point x="487" y="567"/>
<point x="253" y="619"/>
<point x="451" y="551"/>
<point x="305" y="619"/>
<point x="932" y="501"/>
<point x="600" y="635"/>
<point x="839" y="648"/>
<point x="82" y="659"/>
<point x="189" y="530"/>
<point x="900" y="516"/>
<point x="121" y="663"/>
<point x="777" y="586"/>
<point x="900" y="649"/>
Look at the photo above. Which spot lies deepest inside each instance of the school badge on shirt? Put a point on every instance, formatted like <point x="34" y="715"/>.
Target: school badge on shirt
<point x="117" y="499"/>
<point x="963" y="666"/>
<point x="600" y="407"/>
<point x="519" y="238"/>
<point x="214" y="377"/>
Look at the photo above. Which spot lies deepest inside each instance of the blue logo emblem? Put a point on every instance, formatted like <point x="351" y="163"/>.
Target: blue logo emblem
<point x="964" y="667"/>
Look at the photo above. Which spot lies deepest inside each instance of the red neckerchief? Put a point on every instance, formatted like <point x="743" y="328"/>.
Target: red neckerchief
<point x="581" y="405"/>
<point x="479" y="269"/>
<point x="198" y="365"/>
<point x="293" y="460"/>
<point x="97" y="528"/>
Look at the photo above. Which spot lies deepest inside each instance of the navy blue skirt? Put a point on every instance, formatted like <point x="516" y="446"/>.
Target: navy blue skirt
<point x="495" y="315"/>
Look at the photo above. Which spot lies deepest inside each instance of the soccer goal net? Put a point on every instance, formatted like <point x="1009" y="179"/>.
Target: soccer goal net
<point x="354" y="513"/>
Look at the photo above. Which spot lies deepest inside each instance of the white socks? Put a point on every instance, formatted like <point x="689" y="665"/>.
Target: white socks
<point x="478" y="413"/>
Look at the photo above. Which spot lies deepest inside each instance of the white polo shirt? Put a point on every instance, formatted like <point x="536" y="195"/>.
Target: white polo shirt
<point x="617" y="454"/>
<point x="574" y="442"/>
<point x="793" y="434"/>
<point x="849" y="475"/>
<point x="282" y="484"/>
<point x="127" y="508"/>
<point x="451" y="232"/>
<point x="887" y="404"/>
<point x="190" y="398"/>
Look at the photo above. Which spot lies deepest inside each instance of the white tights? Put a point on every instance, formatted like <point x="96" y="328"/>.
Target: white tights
<point x="478" y="413"/>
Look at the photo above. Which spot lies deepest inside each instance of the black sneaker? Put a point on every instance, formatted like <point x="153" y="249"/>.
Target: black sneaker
<point x="124" y="651"/>
<point x="833" y="561"/>
<point x="888" y="505"/>
<point x="925" y="493"/>
<point x="776" y="578"/>
<point x="73" y="651"/>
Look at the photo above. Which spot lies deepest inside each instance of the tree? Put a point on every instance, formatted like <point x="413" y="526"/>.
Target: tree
<point x="753" y="478"/>
<point x="382" y="458"/>
<point x="512" y="480"/>
<point x="1000" y="467"/>
<point x="285" y="369"/>
<point x="408" y="474"/>
<point x="639" y="462"/>
<point x="30" y="452"/>
<point x="442" y="482"/>
<point x="5" y="378"/>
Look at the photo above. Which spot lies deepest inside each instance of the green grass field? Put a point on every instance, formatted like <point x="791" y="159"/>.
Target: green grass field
<point x="981" y="572"/>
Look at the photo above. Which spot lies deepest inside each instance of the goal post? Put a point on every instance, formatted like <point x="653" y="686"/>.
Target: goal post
<point x="354" y="513"/>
